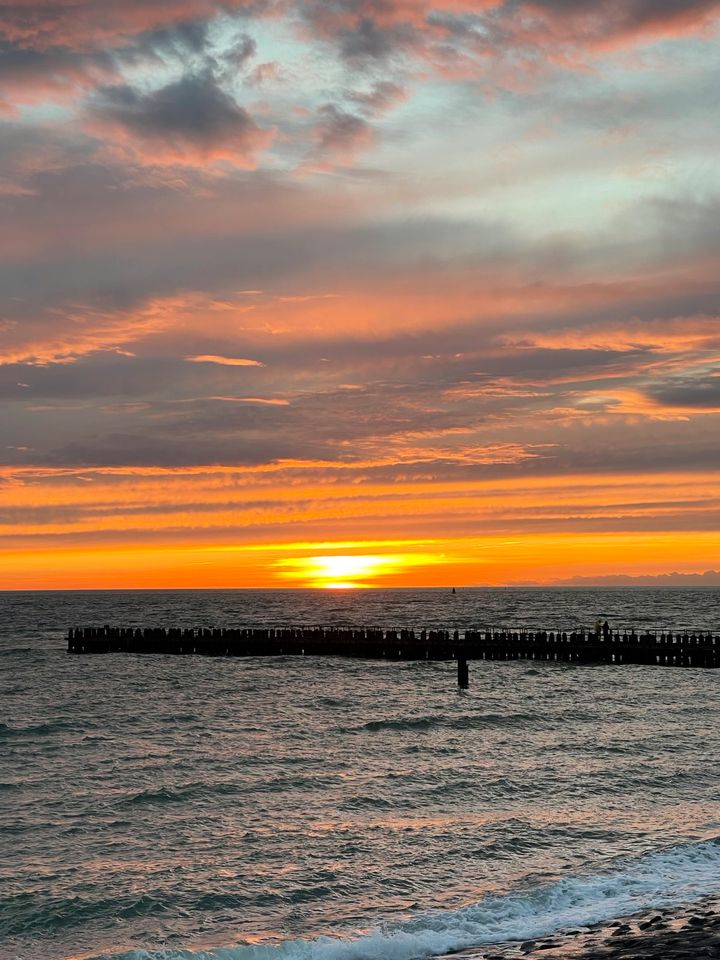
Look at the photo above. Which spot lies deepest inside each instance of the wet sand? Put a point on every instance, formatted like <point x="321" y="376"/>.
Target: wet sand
<point x="678" y="933"/>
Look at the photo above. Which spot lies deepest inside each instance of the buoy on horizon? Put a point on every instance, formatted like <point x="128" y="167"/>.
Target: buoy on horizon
<point x="453" y="590"/>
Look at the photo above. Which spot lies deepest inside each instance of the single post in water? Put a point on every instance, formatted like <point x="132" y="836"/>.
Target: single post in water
<point x="463" y="678"/>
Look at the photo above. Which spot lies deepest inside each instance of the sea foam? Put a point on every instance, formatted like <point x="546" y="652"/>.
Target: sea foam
<point x="663" y="878"/>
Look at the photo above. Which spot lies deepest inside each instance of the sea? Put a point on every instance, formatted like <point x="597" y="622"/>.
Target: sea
<point x="294" y="808"/>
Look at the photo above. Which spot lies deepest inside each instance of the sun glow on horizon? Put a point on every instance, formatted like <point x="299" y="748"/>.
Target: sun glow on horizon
<point x="348" y="572"/>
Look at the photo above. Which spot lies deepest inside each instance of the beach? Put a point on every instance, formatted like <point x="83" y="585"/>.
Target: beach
<point x="683" y="933"/>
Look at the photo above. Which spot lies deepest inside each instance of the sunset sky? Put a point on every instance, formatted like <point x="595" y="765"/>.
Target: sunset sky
<point x="358" y="292"/>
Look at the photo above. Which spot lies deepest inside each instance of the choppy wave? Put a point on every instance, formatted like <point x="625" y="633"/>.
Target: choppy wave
<point x="8" y="731"/>
<point x="672" y="876"/>
<point x="201" y="791"/>
<point x="15" y="651"/>
<point x="469" y="722"/>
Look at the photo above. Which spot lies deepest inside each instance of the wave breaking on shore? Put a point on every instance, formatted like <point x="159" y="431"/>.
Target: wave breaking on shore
<point x="677" y="875"/>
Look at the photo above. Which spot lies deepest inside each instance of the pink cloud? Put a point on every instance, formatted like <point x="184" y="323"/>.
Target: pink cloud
<point x="98" y="24"/>
<point x="339" y="136"/>
<point x="614" y="22"/>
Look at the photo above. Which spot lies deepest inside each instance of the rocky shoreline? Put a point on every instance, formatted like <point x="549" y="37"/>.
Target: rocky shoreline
<point x="678" y="933"/>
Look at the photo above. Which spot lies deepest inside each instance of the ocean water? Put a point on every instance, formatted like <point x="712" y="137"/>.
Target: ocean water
<point x="311" y="809"/>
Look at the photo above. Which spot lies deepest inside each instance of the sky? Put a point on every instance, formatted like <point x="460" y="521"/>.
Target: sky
<point x="338" y="293"/>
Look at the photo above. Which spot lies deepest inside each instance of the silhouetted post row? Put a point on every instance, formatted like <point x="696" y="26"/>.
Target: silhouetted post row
<point x="699" y="648"/>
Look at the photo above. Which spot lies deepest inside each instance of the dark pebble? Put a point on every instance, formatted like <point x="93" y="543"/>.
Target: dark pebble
<point x="527" y="946"/>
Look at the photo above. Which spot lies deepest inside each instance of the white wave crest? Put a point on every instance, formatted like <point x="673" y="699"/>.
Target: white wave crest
<point x="665" y="878"/>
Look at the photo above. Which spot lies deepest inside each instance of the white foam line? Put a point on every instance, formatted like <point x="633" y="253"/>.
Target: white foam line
<point x="666" y="878"/>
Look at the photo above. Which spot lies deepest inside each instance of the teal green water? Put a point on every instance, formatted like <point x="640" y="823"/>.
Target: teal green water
<point x="298" y="808"/>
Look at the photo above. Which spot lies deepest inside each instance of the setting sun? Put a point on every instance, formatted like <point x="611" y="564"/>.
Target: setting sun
<point x="349" y="572"/>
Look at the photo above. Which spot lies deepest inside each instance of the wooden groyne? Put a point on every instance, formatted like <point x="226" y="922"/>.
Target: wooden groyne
<point x="672" y="649"/>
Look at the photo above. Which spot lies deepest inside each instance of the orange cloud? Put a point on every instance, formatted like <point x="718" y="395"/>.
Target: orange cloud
<point x="698" y="333"/>
<point x="225" y="361"/>
<point x="79" y="330"/>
